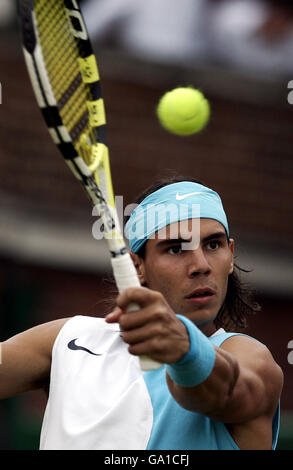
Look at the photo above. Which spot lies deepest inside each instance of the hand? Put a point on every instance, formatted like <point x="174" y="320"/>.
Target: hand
<point x="152" y="330"/>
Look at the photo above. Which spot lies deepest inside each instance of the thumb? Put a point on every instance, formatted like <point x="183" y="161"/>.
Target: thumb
<point x="114" y="316"/>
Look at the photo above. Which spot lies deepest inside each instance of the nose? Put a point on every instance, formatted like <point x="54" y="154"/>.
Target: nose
<point x="197" y="263"/>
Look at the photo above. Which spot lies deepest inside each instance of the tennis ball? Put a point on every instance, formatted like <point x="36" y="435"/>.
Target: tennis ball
<point x="183" y="111"/>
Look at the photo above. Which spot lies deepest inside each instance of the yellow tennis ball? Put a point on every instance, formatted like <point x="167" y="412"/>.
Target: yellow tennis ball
<point x="183" y="111"/>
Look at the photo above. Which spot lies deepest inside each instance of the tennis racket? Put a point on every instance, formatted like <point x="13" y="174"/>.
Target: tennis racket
<point x="65" y="78"/>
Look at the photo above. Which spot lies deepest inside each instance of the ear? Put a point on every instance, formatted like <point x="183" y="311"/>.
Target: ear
<point x="139" y="266"/>
<point x="232" y="248"/>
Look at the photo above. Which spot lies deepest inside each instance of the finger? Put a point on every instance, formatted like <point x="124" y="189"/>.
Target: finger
<point x="152" y="314"/>
<point x="152" y="348"/>
<point x="161" y="348"/>
<point x="137" y="295"/>
<point x="114" y="316"/>
<point x="139" y="335"/>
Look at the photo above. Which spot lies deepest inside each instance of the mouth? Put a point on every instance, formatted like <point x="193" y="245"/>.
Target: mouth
<point x="201" y="296"/>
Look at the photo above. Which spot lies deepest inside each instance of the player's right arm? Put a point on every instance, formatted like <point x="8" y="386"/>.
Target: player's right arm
<point x="26" y="359"/>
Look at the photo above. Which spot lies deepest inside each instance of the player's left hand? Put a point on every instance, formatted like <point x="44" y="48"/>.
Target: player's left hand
<point x="153" y="329"/>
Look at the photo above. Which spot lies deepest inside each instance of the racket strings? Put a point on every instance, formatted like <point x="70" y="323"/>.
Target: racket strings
<point x="51" y="29"/>
<point x="60" y="53"/>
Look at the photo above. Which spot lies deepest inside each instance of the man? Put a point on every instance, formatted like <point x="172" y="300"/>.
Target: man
<point x="214" y="390"/>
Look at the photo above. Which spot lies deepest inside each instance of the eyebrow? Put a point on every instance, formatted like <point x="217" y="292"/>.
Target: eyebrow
<point x="217" y="235"/>
<point x="213" y="236"/>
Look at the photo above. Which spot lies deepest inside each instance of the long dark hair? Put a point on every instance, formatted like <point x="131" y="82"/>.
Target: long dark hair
<point x="239" y="301"/>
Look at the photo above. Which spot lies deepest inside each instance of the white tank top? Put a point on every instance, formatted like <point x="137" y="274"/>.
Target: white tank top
<point x="88" y="357"/>
<point x="100" y="399"/>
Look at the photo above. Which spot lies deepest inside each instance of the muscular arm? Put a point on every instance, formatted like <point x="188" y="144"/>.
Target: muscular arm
<point x="245" y="382"/>
<point x="26" y="359"/>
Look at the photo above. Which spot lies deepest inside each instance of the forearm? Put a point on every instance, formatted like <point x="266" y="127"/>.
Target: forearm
<point x="239" y="387"/>
<point x="212" y="396"/>
<point x="204" y="378"/>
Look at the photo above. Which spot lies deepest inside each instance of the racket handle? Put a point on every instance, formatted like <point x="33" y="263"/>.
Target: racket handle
<point x="126" y="276"/>
<point x="124" y="272"/>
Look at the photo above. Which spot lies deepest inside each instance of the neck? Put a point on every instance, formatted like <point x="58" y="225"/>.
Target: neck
<point x="208" y="328"/>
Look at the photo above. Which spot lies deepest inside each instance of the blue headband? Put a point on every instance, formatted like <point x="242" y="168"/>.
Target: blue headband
<point x="169" y="204"/>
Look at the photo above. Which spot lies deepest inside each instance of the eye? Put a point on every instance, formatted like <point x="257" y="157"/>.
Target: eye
<point x="175" y="250"/>
<point x="213" y="245"/>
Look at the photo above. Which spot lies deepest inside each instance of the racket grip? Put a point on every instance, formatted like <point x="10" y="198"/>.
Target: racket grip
<point x="124" y="272"/>
<point x="126" y="276"/>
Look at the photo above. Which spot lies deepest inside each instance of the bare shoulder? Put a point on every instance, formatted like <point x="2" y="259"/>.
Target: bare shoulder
<point x="241" y="344"/>
<point x="248" y="348"/>
<point x="26" y="358"/>
<point x="41" y="337"/>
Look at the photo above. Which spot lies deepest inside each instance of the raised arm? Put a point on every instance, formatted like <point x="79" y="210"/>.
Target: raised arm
<point x="238" y="384"/>
<point x="26" y="359"/>
<point x="245" y="383"/>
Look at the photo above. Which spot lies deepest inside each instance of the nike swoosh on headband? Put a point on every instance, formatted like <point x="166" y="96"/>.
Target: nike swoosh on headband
<point x="74" y="347"/>
<point x="184" y="196"/>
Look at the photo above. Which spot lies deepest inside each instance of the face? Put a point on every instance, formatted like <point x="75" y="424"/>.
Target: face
<point x="194" y="280"/>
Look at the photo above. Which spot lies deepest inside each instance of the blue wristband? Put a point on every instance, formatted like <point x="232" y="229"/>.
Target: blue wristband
<point x="195" y="367"/>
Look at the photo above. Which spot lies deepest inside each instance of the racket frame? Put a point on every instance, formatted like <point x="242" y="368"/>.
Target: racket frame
<point x="98" y="174"/>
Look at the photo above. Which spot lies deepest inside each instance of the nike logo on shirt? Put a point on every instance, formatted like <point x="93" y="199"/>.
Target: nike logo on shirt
<point x="74" y="347"/>
<point x="184" y="196"/>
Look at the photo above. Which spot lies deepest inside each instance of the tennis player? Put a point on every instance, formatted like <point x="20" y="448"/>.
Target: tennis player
<point x="215" y="389"/>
